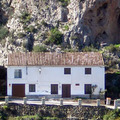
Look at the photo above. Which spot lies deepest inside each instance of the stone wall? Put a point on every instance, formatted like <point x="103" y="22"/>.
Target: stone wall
<point x="81" y="112"/>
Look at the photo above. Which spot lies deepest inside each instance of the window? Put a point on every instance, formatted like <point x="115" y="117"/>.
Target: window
<point x="18" y="73"/>
<point x="54" y="88"/>
<point x="67" y="70"/>
<point x="32" y="88"/>
<point x="87" y="70"/>
<point x="87" y="88"/>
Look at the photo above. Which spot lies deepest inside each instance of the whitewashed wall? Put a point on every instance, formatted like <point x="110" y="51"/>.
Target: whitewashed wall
<point x="55" y="75"/>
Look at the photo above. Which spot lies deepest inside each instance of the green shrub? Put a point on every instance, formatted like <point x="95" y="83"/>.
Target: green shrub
<point x="44" y="23"/>
<point x="89" y="49"/>
<point x="21" y="35"/>
<point x="113" y="48"/>
<point x="66" y="27"/>
<point x="30" y="29"/>
<point x="25" y="17"/>
<point x="74" y="37"/>
<point x="38" y="48"/>
<point x="12" y="41"/>
<point x="55" y="37"/>
<point x="71" y="50"/>
<point x="3" y="32"/>
<point x="25" y="45"/>
<point x="3" y="116"/>
<point x="64" y="3"/>
<point x="113" y="115"/>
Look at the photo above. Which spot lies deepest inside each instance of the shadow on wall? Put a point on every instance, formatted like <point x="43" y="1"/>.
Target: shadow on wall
<point x="3" y="81"/>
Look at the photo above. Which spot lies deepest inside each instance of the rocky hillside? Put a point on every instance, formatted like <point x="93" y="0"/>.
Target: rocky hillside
<point x="57" y="25"/>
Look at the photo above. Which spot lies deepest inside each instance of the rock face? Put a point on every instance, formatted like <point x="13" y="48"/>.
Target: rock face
<point x="82" y="22"/>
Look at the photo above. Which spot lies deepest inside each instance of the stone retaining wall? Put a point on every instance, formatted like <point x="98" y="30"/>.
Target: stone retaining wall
<point x="82" y="112"/>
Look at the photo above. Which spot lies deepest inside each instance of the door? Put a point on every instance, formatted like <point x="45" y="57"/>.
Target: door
<point x="18" y="90"/>
<point x="66" y="91"/>
<point x="87" y="88"/>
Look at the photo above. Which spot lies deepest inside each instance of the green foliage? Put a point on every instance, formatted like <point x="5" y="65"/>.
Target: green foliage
<point x="3" y="116"/>
<point x="21" y="35"/>
<point x="24" y="45"/>
<point x="25" y="18"/>
<point x="74" y="37"/>
<point x="117" y="45"/>
<point x="38" y="48"/>
<point x="12" y="41"/>
<point x="5" y="107"/>
<point x="118" y="72"/>
<point x="44" y="23"/>
<point x="89" y="49"/>
<point x="32" y="117"/>
<point x="113" y="48"/>
<point x="10" y="11"/>
<point x="70" y="50"/>
<point x="30" y="29"/>
<point x="55" y="37"/>
<point x="66" y="27"/>
<point x="64" y="3"/>
<point x="3" y="32"/>
<point x="3" y="42"/>
<point x="113" y="115"/>
<point x="28" y="45"/>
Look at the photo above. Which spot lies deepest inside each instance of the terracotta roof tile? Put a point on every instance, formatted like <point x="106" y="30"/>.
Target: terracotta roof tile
<point x="49" y="59"/>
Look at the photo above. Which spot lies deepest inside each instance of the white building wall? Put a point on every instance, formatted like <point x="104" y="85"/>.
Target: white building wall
<point x="55" y="75"/>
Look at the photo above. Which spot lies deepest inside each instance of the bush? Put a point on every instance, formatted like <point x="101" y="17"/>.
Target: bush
<point x="25" y="18"/>
<point x="89" y="49"/>
<point x="3" y="32"/>
<point x="74" y="37"/>
<point x="71" y="50"/>
<point x="55" y="37"/>
<point x="64" y="3"/>
<point x="21" y="35"/>
<point x="113" y="115"/>
<point x="113" y="48"/>
<point x="44" y="23"/>
<point x="3" y="116"/>
<point x="38" y="48"/>
<point x="66" y="27"/>
<point x="31" y="29"/>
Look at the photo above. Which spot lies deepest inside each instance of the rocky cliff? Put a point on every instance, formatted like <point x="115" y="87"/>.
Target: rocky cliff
<point x="27" y="23"/>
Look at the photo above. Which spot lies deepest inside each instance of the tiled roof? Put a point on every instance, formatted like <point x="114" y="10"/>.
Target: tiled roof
<point x="56" y="59"/>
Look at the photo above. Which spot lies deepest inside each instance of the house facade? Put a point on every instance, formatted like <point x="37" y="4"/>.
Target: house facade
<point x="55" y="74"/>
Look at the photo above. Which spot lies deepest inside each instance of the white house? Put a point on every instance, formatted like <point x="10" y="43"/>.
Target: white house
<point x="55" y="74"/>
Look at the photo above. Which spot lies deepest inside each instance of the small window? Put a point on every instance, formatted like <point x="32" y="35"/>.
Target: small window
<point x="18" y="73"/>
<point x="54" y="88"/>
<point x="67" y="70"/>
<point x="32" y="88"/>
<point x="87" y="88"/>
<point x="87" y="70"/>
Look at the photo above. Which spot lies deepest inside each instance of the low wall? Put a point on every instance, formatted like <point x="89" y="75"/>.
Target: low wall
<point x="60" y="96"/>
<point x="80" y="112"/>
